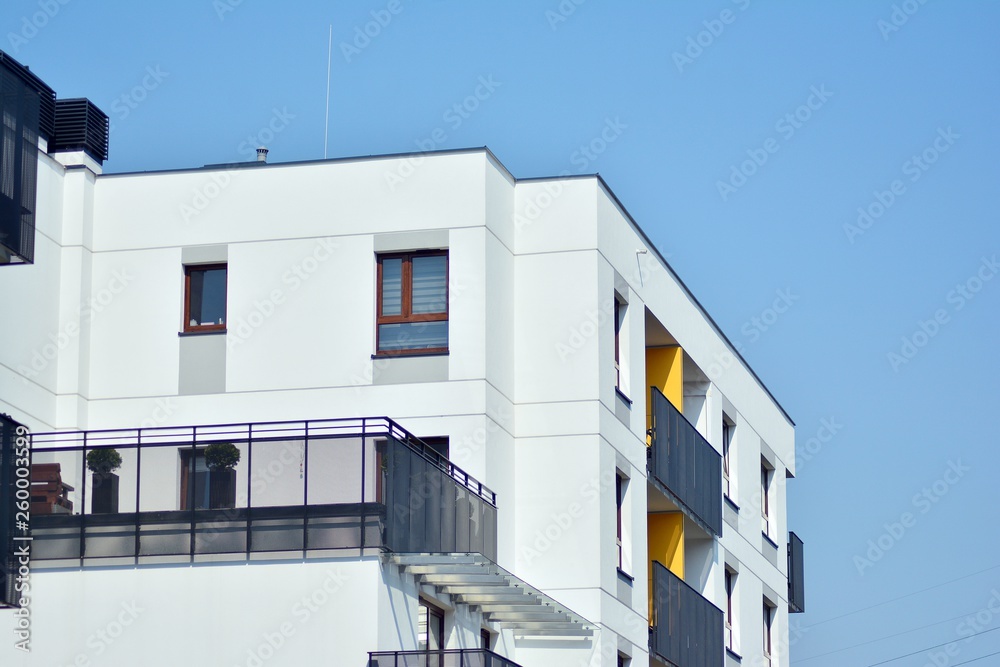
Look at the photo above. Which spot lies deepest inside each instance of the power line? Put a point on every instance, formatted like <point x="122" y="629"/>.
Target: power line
<point x="901" y="597"/>
<point x="976" y="659"/>
<point x="872" y="641"/>
<point x="928" y="648"/>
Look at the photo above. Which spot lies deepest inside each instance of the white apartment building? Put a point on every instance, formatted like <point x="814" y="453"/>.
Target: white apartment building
<point x="402" y="410"/>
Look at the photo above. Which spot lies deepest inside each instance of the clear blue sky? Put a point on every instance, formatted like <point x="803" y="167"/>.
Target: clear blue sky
<point x="189" y="83"/>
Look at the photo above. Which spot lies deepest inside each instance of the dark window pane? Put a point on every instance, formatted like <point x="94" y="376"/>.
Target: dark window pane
<point x="392" y="287"/>
<point x="412" y="336"/>
<point x="430" y="284"/>
<point x="208" y="297"/>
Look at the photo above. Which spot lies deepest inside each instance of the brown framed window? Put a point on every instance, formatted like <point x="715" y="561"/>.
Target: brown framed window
<point x="768" y="620"/>
<point x="765" y="502"/>
<point x="621" y="484"/>
<point x="619" y="310"/>
<point x="205" y="297"/>
<point x="430" y="632"/>
<point x="485" y="639"/>
<point x="412" y="302"/>
<point x="730" y="590"/>
<point x="727" y="442"/>
<point x="194" y="480"/>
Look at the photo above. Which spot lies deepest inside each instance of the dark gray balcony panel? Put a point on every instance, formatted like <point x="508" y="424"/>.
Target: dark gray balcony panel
<point x="796" y="575"/>
<point x="684" y="466"/>
<point x="687" y="629"/>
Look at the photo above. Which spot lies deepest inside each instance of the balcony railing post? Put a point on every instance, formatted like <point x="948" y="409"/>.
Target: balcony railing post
<point x="138" y="479"/>
<point x="249" y="533"/>
<point x="305" y="492"/>
<point x="83" y="499"/>
<point x="192" y="467"/>
<point x="364" y="457"/>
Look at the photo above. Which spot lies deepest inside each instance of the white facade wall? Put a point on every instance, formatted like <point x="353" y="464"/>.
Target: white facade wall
<point x="526" y="393"/>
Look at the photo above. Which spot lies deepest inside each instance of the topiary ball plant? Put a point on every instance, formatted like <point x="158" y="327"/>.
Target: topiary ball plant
<point x="104" y="461"/>
<point x="222" y="456"/>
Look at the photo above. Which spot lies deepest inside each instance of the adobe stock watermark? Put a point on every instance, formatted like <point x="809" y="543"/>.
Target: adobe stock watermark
<point x="562" y="521"/>
<point x="243" y="327"/>
<point x="45" y="354"/>
<point x="301" y="612"/>
<point x="753" y="329"/>
<point x="913" y="168"/>
<point x="900" y="16"/>
<point x="786" y="127"/>
<point x="958" y="297"/>
<point x="223" y="7"/>
<point x="467" y="445"/>
<point x="923" y="502"/>
<point x="562" y="12"/>
<point x="35" y="23"/>
<point x="454" y="116"/>
<point x="220" y="180"/>
<point x="581" y="158"/>
<point x="579" y="334"/>
<point x="364" y="34"/>
<point x="129" y="101"/>
<point x="104" y="637"/>
<point x="968" y="628"/>
<point x="759" y="324"/>
<point x="700" y="42"/>
<point x="827" y="431"/>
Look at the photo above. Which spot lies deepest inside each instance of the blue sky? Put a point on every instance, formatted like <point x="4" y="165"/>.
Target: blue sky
<point x="746" y="136"/>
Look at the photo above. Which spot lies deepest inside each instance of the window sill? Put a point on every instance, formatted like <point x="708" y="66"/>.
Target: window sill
<point x="628" y="401"/>
<point x="213" y="332"/>
<point x="624" y="576"/>
<point x="769" y="540"/>
<point x="413" y="353"/>
<point x="729" y="501"/>
<point x="734" y="655"/>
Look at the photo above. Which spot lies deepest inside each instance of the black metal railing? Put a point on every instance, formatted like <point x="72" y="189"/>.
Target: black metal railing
<point x="687" y="629"/>
<point x="796" y="575"/>
<point x="684" y="465"/>
<point x="303" y="486"/>
<point x="446" y="658"/>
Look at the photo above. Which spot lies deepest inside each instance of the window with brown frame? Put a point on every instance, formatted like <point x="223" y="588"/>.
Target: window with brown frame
<point x="205" y="298"/>
<point x="730" y="620"/>
<point x="765" y="501"/>
<point x="619" y="498"/>
<point x="727" y="443"/>
<point x="430" y="633"/>
<point x="194" y="479"/>
<point x="768" y="620"/>
<point x="412" y="302"/>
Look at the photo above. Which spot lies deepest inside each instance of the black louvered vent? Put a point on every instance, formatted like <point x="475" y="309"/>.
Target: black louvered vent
<point x="80" y="125"/>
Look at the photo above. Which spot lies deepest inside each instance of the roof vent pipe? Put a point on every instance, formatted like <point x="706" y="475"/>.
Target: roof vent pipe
<point x="261" y="154"/>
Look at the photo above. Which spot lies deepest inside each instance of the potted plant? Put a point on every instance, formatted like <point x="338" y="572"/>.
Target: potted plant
<point x="221" y="459"/>
<point x="103" y="463"/>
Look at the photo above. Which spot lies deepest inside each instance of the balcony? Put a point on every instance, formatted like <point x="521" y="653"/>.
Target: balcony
<point x="683" y="466"/>
<point x="448" y="658"/>
<point x="296" y="489"/>
<point x="687" y="628"/>
<point x="796" y="575"/>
